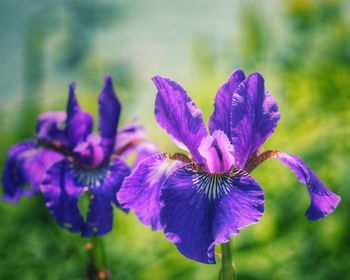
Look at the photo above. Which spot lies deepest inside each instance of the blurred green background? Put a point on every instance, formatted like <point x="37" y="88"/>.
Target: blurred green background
<point x="302" y="48"/>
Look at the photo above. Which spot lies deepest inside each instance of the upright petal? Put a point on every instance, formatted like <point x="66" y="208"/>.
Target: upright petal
<point x="140" y="191"/>
<point x="49" y="127"/>
<point x="254" y="117"/>
<point x="109" y="112"/>
<point x="61" y="196"/>
<point x="176" y="112"/>
<point x="200" y="209"/>
<point x="220" y="119"/>
<point x="78" y="124"/>
<point x="100" y="217"/>
<point x="323" y="201"/>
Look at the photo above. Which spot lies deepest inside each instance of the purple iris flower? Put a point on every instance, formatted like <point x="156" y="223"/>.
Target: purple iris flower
<point x="203" y="200"/>
<point x="68" y="159"/>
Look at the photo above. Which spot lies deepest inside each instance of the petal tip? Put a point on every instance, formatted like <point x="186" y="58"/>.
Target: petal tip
<point x="108" y="79"/>
<point x="157" y="80"/>
<point x="71" y="87"/>
<point x="108" y="85"/>
<point x="72" y="99"/>
<point x="321" y="210"/>
<point x="256" y="77"/>
<point x="238" y="74"/>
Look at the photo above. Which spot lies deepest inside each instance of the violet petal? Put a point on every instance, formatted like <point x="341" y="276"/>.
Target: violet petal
<point x="176" y="112"/>
<point x="109" y="112"/>
<point x="100" y="217"/>
<point x="26" y="165"/>
<point x="220" y="119"/>
<point x="200" y="210"/>
<point x="79" y="123"/>
<point x="49" y="127"/>
<point x="140" y="191"/>
<point x="254" y="117"/>
<point x="13" y="180"/>
<point x="61" y="196"/>
<point x="323" y="201"/>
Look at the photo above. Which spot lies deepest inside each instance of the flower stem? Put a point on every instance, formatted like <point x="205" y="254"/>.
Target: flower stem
<point x="97" y="267"/>
<point x="227" y="268"/>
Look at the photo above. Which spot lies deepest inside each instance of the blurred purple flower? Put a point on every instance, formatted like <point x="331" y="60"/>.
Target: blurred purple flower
<point x="67" y="159"/>
<point x="204" y="200"/>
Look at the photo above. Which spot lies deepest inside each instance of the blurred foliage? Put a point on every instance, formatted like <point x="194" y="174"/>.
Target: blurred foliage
<point x="302" y="47"/>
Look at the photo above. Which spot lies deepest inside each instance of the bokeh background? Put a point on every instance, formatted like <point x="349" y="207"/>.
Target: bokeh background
<point x="302" y="48"/>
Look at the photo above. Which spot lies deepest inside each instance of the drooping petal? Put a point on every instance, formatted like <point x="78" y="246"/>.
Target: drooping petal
<point x="35" y="164"/>
<point x="129" y="134"/>
<point x="100" y="217"/>
<point x="144" y="150"/>
<point x="26" y="166"/>
<point x="176" y="112"/>
<point x="49" y="127"/>
<point x="109" y="112"/>
<point x="117" y="172"/>
<point x="200" y="210"/>
<point x="217" y="151"/>
<point x="104" y="190"/>
<point x="323" y="201"/>
<point x="140" y="191"/>
<point x="220" y="119"/>
<point x="254" y="117"/>
<point x="61" y="196"/>
<point x="79" y="123"/>
<point x="13" y="180"/>
<point x="132" y="139"/>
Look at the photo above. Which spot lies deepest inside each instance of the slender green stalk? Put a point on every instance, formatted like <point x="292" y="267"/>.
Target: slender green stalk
<point x="97" y="266"/>
<point x="227" y="267"/>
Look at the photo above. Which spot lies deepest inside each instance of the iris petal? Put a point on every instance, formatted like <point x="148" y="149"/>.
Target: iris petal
<point x="26" y="164"/>
<point x="176" y="112"/>
<point x="100" y="217"/>
<point x="140" y="191"/>
<point x="79" y="123"/>
<point x="131" y="132"/>
<point x="118" y="170"/>
<point x="220" y="119"/>
<point x="61" y="196"/>
<point x="132" y="139"/>
<point x="200" y="209"/>
<point x="13" y="180"/>
<point x="323" y="201"/>
<point x="254" y="117"/>
<point x="65" y="183"/>
<point x="49" y="127"/>
<point x="145" y="150"/>
<point x="109" y="112"/>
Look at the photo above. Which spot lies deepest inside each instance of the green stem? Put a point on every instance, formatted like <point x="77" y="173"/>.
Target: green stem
<point x="227" y="269"/>
<point x="97" y="267"/>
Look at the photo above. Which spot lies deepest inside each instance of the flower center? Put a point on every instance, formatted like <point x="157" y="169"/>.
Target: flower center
<point x="214" y="185"/>
<point x="217" y="151"/>
<point x="88" y="177"/>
